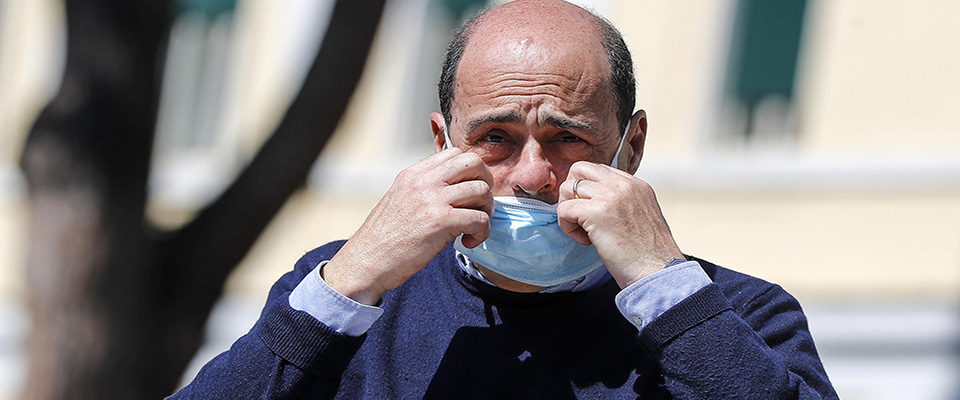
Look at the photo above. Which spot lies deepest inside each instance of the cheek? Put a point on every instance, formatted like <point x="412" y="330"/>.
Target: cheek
<point x="492" y="153"/>
<point x="562" y="175"/>
<point x="562" y="164"/>
<point x="501" y="179"/>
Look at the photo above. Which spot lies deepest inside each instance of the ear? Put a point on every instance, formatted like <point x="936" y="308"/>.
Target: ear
<point x="636" y="137"/>
<point x="437" y="125"/>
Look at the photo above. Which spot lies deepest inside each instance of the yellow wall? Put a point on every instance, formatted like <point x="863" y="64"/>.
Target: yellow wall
<point x="876" y="93"/>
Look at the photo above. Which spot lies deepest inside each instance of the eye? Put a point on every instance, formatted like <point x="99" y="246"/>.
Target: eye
<point x="567" y="137"/>
<point x="494" y="136"/>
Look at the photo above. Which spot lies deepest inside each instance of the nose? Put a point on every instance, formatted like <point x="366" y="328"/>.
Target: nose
<point x="533" y="175"/>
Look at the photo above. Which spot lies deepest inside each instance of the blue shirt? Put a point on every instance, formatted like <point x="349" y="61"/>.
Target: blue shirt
<point x="640" y="303"/>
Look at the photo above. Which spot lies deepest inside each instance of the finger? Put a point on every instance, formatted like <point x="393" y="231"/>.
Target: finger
<point x="473" y="194"/>
<point x="438" y="158"/>
<point x="571" y="216"/>
<point x="465" y="167"/>
<point x="576" y="232"/>
<point x="593" y="171"/>
<point x="474" y="224"/>
<point x="577" y="188"/>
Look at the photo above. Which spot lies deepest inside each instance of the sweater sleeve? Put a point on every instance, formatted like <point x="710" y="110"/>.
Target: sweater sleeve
<point x="287" y="354"/>
<point x="760" y="349"/>
<point x="315" y="297"/>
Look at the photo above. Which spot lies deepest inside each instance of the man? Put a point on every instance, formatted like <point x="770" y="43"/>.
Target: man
<point x="533" y="183"/>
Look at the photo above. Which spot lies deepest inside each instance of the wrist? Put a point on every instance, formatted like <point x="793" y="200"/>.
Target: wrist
<point x="645" y="267"/>
<point x="347" y="282"/>
<point x="676" y="261"/>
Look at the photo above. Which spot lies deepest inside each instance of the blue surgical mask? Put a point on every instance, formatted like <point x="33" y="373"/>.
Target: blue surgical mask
<point x="526" y="243"/>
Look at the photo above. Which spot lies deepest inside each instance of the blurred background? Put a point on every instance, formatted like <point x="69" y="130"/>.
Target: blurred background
<point x="814" y="144"/>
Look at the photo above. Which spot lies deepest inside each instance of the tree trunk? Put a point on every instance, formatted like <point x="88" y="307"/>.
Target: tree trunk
<point x="118" y="307"/>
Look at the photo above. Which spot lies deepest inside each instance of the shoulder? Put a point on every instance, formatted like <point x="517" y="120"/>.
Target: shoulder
<point x="745" y="292"/>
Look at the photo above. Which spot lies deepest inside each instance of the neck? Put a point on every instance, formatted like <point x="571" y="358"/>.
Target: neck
<point x="507" y="283"/>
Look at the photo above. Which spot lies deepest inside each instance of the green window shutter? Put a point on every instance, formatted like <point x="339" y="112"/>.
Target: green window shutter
<point x="210" y="8"/>
<point x="765" y="48"/>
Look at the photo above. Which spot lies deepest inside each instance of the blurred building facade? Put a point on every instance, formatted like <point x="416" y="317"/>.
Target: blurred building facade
<point x="809" y="143"/>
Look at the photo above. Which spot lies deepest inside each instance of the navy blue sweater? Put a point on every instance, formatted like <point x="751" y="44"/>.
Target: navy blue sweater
<point x="446" y="335"/>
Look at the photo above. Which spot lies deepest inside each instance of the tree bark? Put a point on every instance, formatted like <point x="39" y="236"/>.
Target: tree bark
<point x="118" y="306"/>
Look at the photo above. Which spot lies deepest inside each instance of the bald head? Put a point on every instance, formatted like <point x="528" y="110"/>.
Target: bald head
<point x="540" y="33"/>
<point x="555" y="19"/>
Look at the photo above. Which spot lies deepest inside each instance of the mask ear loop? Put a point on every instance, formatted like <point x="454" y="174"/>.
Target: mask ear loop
<point x="446" y="136"/>
<point x="623" y="139"/>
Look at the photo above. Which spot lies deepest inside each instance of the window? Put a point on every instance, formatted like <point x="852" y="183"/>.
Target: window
<point x="761" y="71"/>
<point x="193" y="154"/>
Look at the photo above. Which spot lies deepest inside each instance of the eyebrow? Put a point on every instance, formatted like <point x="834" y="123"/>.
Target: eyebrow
<point x="514" y="118"/>
<point x="567" y="124"/>
<point x="506" y="118"/>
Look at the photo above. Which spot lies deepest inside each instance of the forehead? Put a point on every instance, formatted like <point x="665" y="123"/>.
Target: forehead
<point x="527" y="58"/>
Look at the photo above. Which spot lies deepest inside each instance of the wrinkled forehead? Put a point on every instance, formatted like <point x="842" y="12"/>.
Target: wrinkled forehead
<point x="560" y="55"/>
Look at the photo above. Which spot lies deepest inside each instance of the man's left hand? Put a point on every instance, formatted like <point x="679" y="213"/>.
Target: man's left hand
<point x="619" y="214"/>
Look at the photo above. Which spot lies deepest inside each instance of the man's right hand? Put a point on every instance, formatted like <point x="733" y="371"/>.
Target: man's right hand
<point x="429" y="205"/>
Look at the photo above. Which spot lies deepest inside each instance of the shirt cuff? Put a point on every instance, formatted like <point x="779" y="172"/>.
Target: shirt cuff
<point x="648" y="298"/>
<point x="338" y="312"/>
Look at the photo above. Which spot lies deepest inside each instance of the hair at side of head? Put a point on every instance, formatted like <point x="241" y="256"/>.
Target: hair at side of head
<point x="621" y="66"/>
